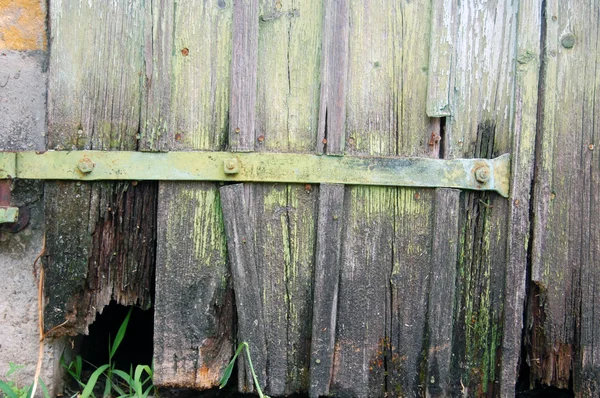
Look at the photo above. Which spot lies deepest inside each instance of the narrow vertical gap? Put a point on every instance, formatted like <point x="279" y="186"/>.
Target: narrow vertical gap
<point x="442" y="133"/>
<point x="325" y="134"/>
<point x="525" y="377"/>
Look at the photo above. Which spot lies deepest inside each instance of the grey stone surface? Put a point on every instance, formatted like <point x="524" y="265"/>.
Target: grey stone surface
<point x="22" y="100"/>
<point x="22" y="127"/>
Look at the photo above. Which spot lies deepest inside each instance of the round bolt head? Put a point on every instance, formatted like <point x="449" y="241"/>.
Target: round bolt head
<point x="568" y="40"/>
<point x="85" y="165"/>
<point x="482" y="174"/>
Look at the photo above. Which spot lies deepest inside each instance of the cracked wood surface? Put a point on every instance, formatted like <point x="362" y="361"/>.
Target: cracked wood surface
<point x="563" y="316"/>
<point x="423" y="290"/>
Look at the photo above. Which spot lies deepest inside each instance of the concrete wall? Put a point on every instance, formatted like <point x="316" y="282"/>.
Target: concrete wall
<point x="23" y="64"/>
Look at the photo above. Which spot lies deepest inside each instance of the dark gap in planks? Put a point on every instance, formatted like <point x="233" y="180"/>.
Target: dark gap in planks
<point x="442" y="153"/>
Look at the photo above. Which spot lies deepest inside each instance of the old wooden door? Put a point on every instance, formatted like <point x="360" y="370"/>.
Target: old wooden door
<point x="340" y="290"/>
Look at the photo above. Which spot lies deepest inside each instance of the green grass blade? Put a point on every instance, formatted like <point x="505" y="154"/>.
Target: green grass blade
<point x="229" y="368"/>
<point x="44" y="388"/>
<point x="123" y="376"/>
<point x="7" y="390"/>
<point x="89" y="387"/>
<point x="120" y="334"/>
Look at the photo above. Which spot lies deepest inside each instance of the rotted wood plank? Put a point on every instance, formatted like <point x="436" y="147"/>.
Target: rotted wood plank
<point x="481" y="127"/>
<point x="523" y="157"/>
<point x="441" y="54"/>
<point x="326" y="287"/>
<point x="187" y="83"/>
<point x="241" y="245"/>
<point x="94" y="103"/>
<point x="564" y="309"/>
<point x="284" y="215"/>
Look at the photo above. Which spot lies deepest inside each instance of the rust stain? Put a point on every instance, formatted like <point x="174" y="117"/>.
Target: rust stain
<point x="22" y="25"/>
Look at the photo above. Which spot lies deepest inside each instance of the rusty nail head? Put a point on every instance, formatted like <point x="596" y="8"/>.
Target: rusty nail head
<point x="85" y="165"/>
<point x="231" y="166"/>
<point x="482" y="174"/>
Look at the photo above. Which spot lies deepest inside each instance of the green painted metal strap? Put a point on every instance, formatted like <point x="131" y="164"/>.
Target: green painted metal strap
<point x="473" y="174"/>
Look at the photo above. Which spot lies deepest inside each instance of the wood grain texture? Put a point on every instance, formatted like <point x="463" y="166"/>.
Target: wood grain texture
<point x="187" y="55"/>
<point x="284" y="216"/>
<point x="334" y="76"/>
<point x="440" y="309"/>
<point x="410" y="281"/>
<point x="326" y="287"/>
<point x="388" y="57"/>
<point x="523" y="156"/>
<point x="563" y="314"/>
<point x="483" y="81"/>
<point x="241" y="245"/>
<point x="242" y="118"/>
<point x="94" y="103"/>
<point x="441" y="54"/>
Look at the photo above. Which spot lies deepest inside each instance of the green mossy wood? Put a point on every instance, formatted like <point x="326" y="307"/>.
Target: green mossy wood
<point x="339" y="290"/>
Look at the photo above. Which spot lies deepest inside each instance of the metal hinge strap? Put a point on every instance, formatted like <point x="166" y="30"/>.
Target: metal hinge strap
<point x="472" y="174"/>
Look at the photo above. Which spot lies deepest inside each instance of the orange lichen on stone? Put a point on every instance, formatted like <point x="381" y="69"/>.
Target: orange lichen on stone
<point x="22" y="25"/>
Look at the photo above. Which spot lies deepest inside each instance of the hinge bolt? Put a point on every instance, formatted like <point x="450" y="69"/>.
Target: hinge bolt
<point x="85" y="165"/>
<point x="482" y="174"/>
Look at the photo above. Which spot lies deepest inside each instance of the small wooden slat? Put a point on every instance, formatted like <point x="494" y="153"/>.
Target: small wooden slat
<point x="524" y="135"/>
<point x="440" y="309"/>
<point x="242" y="111"/>
<point x="564" y="308"/>
<point x="481" y="126"/>
<point x="187" y="81"/>
<point x="334" y="77"/>
<point x="241" y="243"/>
<point x="441" y="53"/>
<point x="94" y="103"/>
<point x="326" y="287"/>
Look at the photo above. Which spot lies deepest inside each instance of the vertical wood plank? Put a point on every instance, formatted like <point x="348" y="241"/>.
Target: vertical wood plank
<point x="480" y="126"/>
<point x="326" y="287"/>
<point x="94" y="103"/>
<point x="188" y="58"/>
<point x="410" y="281"/>
<point x="242" y="110"/>
<point x="242" y="257"/>
<point x="523" y="157"/>
<point x="284" y="217"/>
<point x="334" y="76"/>
<point x="441" y="53"/>
<point x="440" y="309"/>
<point x="563" y="311"/>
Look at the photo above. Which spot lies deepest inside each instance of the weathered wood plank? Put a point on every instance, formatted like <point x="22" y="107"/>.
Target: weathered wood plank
<point x="523" y="154"/>
<point x="440" y="310"/>
<point x="441" y="53"/>
<point x="94" y="103"/>
<point x="241" y="243"/>
<point x="187" y="82"/>
<point x="334" y="77"/>
<point x="364" y="296"/>
<point x="242" y="111"/>
<point x="387" y="81"/>
<point x="326" y="287"/>
<point x="563" y="314"/>
<point x="284" y="215"/>
<point x="482" y="117"/>
<point x="410" y="280"/>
